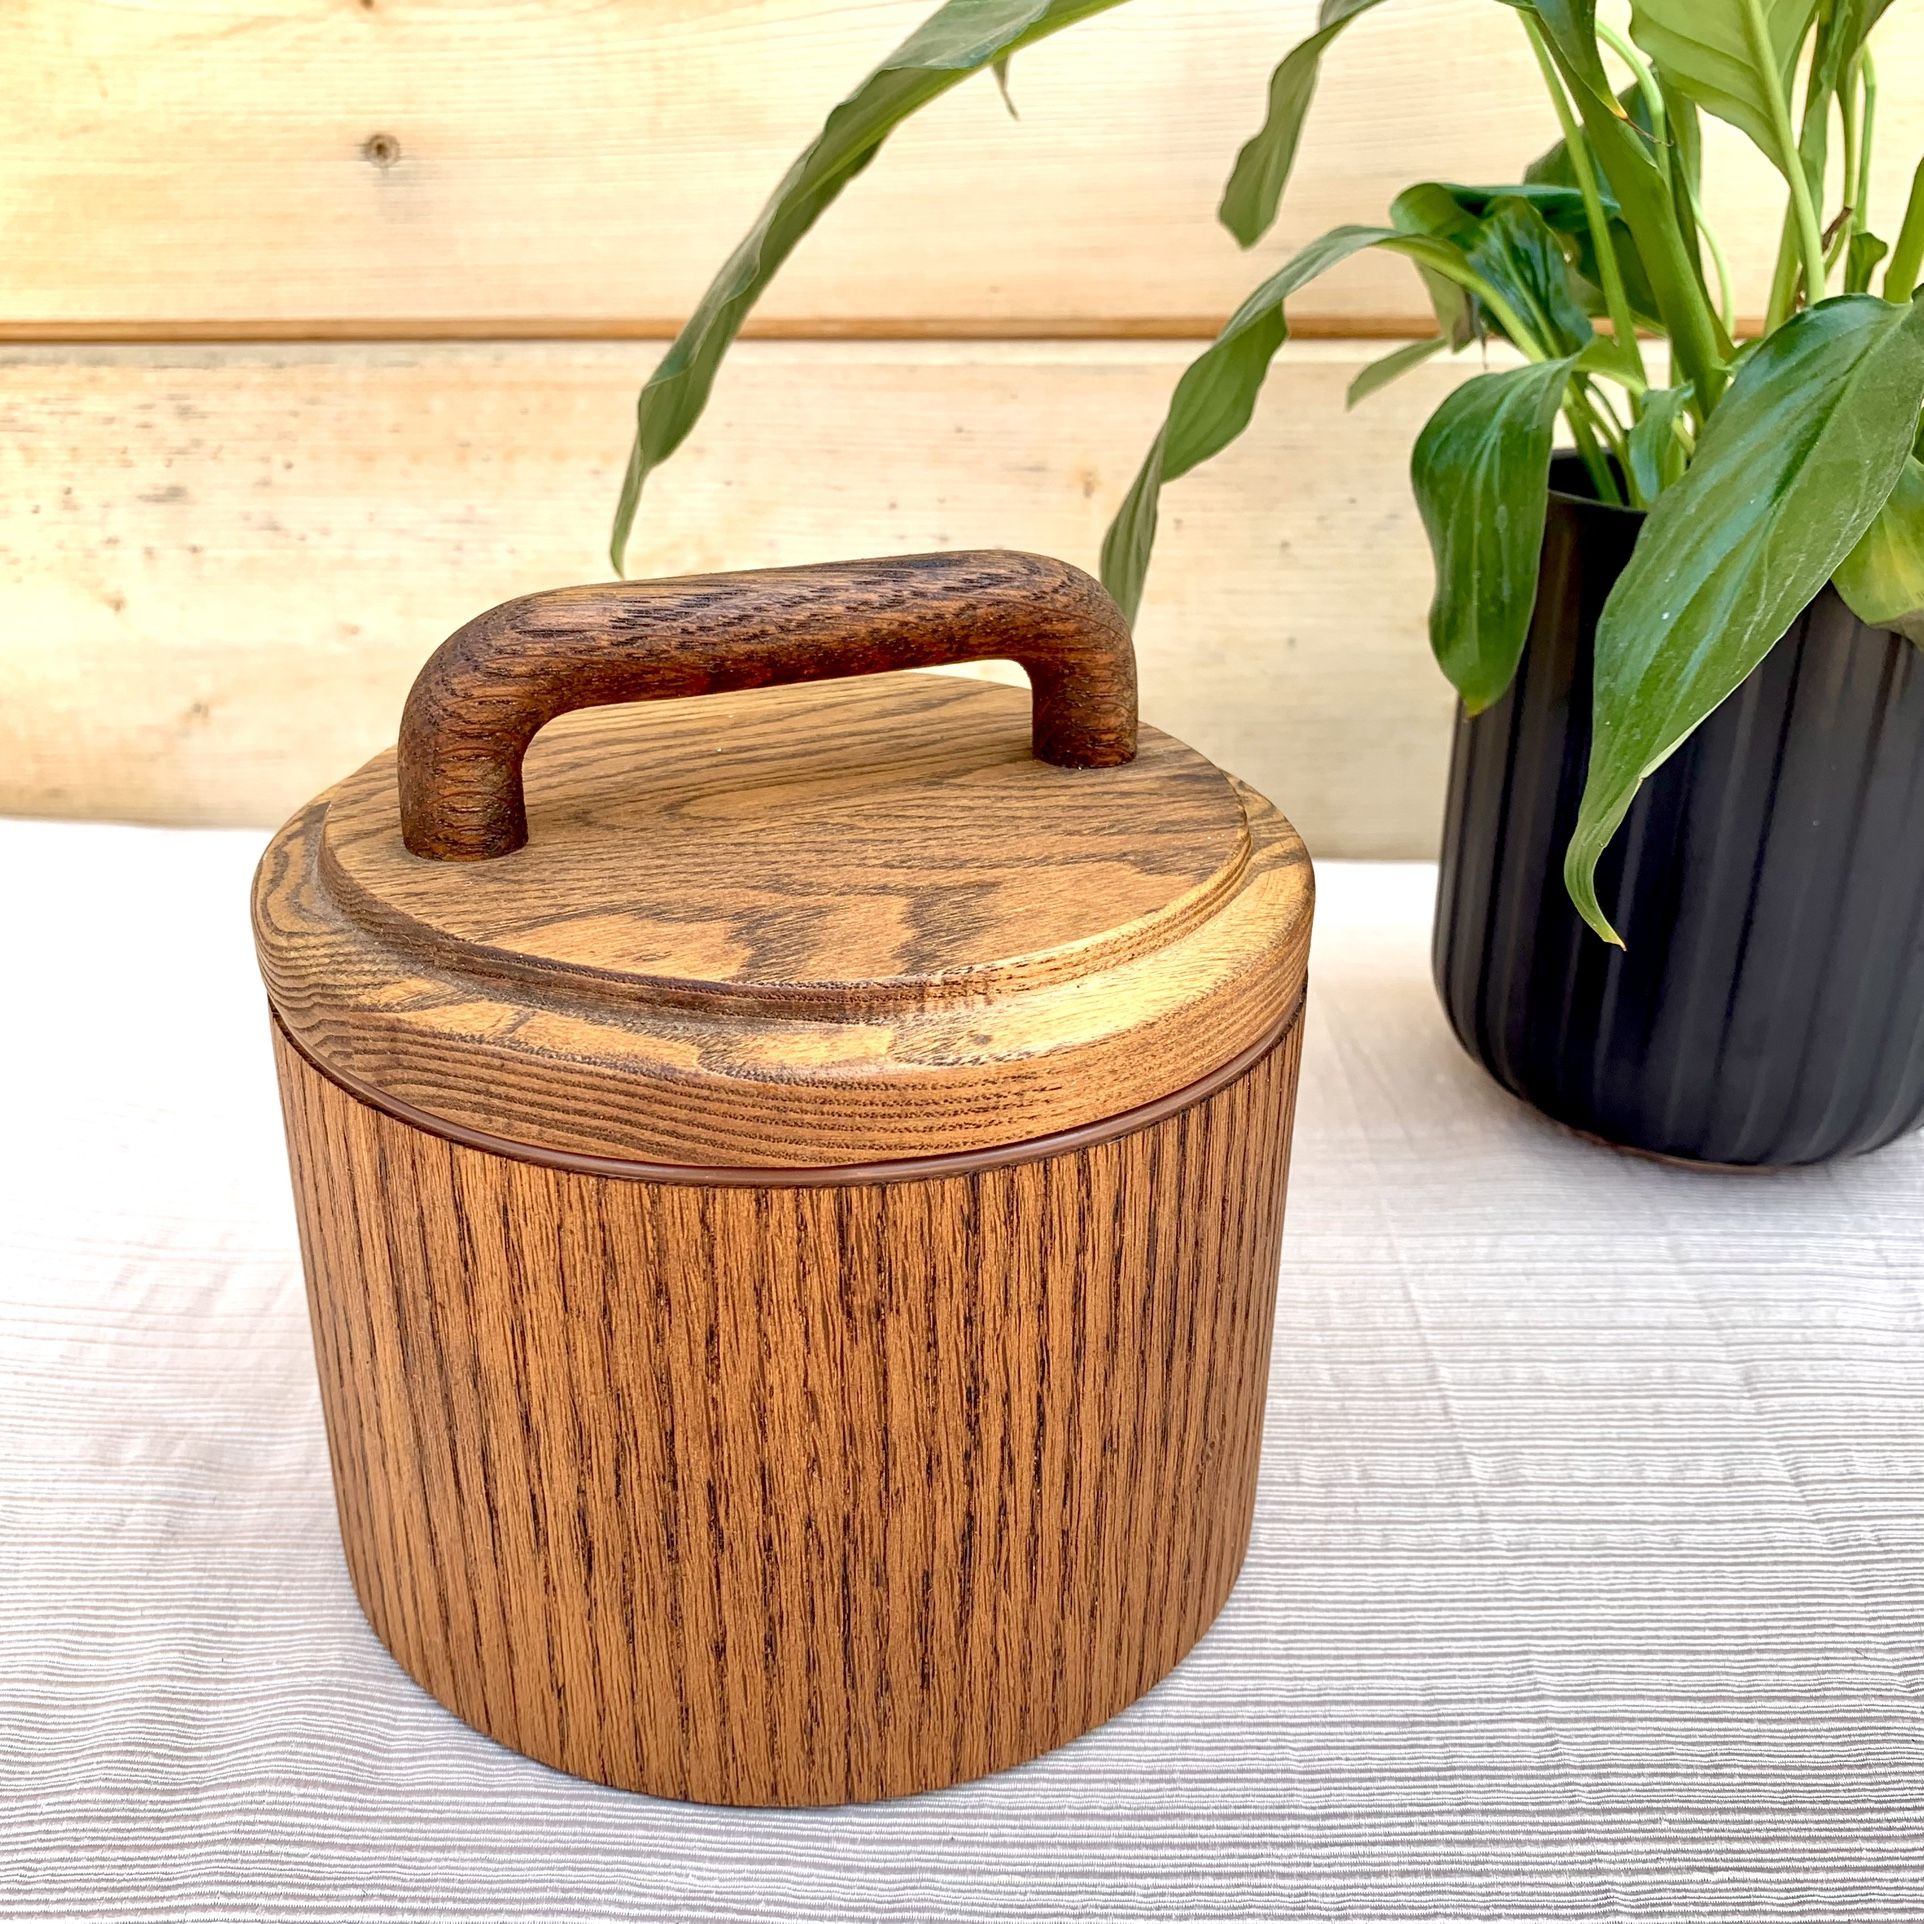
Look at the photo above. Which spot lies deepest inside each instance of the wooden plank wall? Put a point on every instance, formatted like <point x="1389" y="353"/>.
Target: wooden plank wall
<point x="321" y="322"/>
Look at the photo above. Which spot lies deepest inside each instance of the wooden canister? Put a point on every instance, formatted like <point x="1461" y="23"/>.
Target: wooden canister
<point x="790" y="1183"/>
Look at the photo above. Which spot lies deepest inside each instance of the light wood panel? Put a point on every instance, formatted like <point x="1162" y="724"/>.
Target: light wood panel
<point x="220" y="568"/>
<point x="407" y="167"/>
<point x="793" y="1496"/>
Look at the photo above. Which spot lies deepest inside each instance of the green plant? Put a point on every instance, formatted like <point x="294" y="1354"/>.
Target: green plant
<point x="1767" y="468"/>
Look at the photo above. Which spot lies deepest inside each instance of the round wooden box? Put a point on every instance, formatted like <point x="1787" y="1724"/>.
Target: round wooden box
<point x="791" y="1209"/>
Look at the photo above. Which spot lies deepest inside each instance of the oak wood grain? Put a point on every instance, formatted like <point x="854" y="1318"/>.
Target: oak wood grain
<point x="829" y="851"/>
<point x="789" y="1495"/>
<point x="486" y="692"/>
<point x="795" y="927"/>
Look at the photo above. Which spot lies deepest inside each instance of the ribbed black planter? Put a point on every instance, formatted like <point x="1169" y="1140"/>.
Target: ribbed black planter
<point x="1768" y="880"/>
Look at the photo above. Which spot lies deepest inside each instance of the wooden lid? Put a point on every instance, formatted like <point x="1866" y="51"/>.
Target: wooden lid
<point x="791" y="928"/>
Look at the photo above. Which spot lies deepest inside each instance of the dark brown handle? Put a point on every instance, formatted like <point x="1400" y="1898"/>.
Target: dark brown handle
<point x="491" y="686"/>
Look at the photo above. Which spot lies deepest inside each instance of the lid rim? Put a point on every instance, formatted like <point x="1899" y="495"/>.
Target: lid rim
<point x="827" y="1175"/>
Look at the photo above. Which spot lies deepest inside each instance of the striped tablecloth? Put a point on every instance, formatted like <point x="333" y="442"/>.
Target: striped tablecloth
<point x="1587" y="1581"/>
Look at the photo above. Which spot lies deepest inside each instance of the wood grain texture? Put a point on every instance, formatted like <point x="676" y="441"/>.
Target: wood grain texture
<point x="795" y="927"/>
<point x="220" y="569"/>
<point x="441" y="166"/>
<point x="793" y="1496"/>
<point x="499" y="679"/>
<point x="829" y="850"/>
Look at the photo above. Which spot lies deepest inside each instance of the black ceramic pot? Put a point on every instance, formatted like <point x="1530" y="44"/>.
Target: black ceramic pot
<point x="1768" y="880"/>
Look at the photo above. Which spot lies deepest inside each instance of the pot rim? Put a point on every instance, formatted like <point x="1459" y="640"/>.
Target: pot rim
<point x="1569" y="461"/>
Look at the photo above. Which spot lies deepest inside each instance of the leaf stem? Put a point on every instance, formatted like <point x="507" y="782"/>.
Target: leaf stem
<point x="1697" y="341"/>
<point x="1595" y="465"/>
<point x="1783" y="276"/>
<point x="1651" y="88"/>
<point x="1623" y="322"/>
<point x="1810" y="237"/>
<point x="1583" y="430"/>
<point x="1636" y="385"/>
<point x="1850" y="112"/>
<point x="1726" y="299"/>
<point x="1626" y="51"/>
<point x="1860" y="188"/>
<point x="1607" y="414"/>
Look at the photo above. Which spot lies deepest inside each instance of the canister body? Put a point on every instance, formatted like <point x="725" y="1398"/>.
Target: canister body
<point x="799" y="1492"/>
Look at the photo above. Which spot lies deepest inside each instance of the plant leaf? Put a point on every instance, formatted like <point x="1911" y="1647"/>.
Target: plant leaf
<point x="1657" y="457"/>
<point x="1842" y="31"/>
<point x="1790" y="471"/>
<point x="1212" y="405"/>
<point x="1707" y="51"/>
<point x="999" y="66"/>
<point x="1255" y="187"/>
<point x="1561" y="206"/>
<point x="1429" y="207"/>
<point x="1380" y="373"/>
<point x="958" y="39"/>
<point x="1882" y="578"/>
<point x="1572" y="29"/>
<point x="1518" y="253"/>
<point x="1481" y="472"/>
<point x="1217" y="393"/>
<point x="1860" y="260"/>
<point x="1510" y="237"/>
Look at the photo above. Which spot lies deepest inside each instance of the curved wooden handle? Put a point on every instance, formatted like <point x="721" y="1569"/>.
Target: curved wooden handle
<point x="491" y="686"/>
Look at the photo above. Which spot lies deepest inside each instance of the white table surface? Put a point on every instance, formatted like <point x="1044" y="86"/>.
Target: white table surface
<point x="1587" y="1581"/>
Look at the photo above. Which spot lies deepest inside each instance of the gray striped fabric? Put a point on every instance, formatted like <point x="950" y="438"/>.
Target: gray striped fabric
<point x="1587" y="1583"/>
